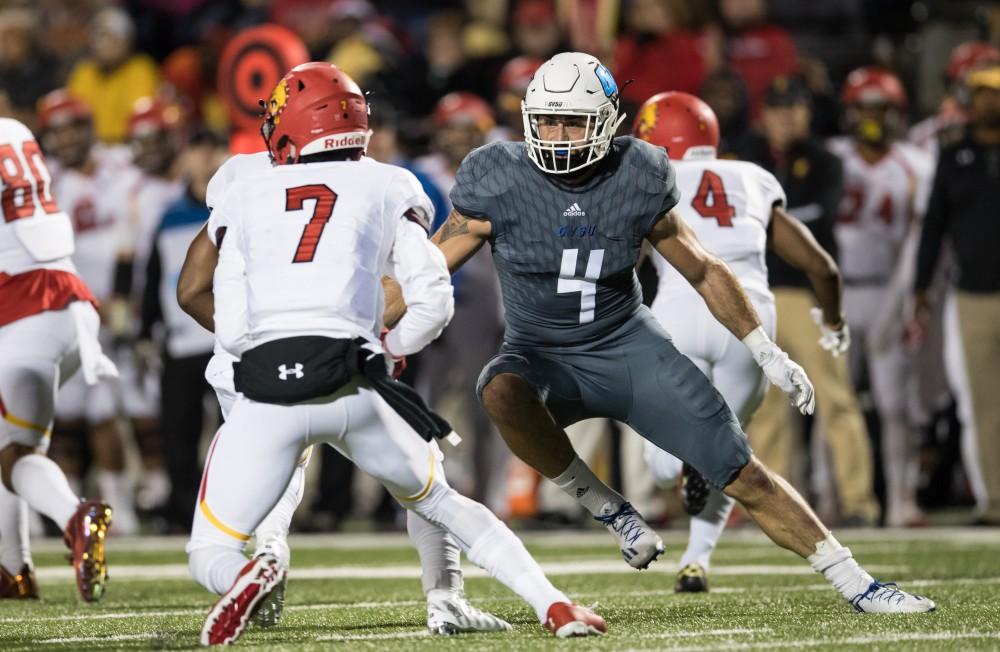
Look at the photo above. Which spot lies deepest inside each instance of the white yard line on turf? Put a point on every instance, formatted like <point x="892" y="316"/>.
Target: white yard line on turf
<point x="707" y="632"/>
<point x="96" y="639"/>
<point x="411" y="571"/>
<point x="419" y="633"/>
<point x="885" y="638"/>
<point x="334" y="606"/>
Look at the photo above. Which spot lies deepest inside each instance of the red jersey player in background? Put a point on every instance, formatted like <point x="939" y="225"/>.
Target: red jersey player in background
<point x="48" y="330"/>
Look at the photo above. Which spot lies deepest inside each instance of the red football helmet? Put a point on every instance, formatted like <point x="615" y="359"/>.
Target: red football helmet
<point x="151" y="115"/>
<point x="516" y="74"/>
<point x="682" y="124"/>
<point x="463" y="108"/>
<point x="314" y="108"/>
<point x="59" y="108"/>
<point x="872" y="85"/>
<point x="970" y="55"/>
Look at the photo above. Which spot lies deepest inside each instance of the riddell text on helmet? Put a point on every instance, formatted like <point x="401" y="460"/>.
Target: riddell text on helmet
<point x="343" y="142"/>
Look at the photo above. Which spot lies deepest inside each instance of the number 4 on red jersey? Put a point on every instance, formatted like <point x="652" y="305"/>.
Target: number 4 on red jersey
<point x="710" y="200"/>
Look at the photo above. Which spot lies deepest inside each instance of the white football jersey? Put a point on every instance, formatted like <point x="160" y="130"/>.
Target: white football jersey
<point x="303" y="249"/>
<point x="93" y="203"/>
<point x="34" y="232"/>
<point x="728" y="204"/>
<point x="880" y="202"/>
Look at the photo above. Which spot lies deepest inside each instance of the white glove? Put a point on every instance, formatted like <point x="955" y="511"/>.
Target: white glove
<point x="781" y="371"/>
<point x="836" y="341"/>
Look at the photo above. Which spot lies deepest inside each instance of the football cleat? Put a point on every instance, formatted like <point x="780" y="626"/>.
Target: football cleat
<point x="85" y="535"/>
<point x="231" y="615"/>
<point x="691" y="579"/>
<point x="18" y="587"/>
<point x="887" y="598"/>
<point x="448" y="612"/>
<point x="269" y="612"/>
<point x="565" y="619"/>
<point x="694" y="490"/>
<point x="639" y="544"/>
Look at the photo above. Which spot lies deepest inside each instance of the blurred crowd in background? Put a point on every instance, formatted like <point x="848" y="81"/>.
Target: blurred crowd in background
<point x="137" y="103"/>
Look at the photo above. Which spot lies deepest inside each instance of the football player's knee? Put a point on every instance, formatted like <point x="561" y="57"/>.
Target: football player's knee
<point x="505" y="391"/>
<point x="752" y="482"/>
<point x="9" y="455"/>
<point x="463" y="517"/>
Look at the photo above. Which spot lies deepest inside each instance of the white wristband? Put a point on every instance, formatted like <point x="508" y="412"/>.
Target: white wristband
<point x="756" y="339"/>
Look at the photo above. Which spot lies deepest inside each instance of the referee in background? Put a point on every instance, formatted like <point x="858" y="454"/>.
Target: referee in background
<point x="965" y="207"/>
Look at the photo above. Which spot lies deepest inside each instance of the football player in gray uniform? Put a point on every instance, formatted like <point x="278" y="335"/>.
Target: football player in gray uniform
<point x="566" y="213"/>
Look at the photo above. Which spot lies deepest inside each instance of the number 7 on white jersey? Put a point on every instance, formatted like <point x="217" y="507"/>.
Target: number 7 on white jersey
<point x="586" y="286"/>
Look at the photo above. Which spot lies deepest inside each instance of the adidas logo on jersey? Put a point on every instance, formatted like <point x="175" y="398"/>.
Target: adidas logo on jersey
<point x="574" y="211"/>
<point x="284" y="372"/>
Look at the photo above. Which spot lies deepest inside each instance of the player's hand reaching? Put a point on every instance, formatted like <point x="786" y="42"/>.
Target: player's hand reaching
<point x="834" y="340"/>
<point x="781" y="371"/>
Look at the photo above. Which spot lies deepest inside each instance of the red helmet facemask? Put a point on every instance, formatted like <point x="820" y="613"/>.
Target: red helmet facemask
<point x="314" y="108"/>
<point x="680" y="123"/>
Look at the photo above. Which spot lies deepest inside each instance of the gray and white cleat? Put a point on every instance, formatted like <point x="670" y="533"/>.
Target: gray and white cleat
<point x="448" y="612"/>
<point x="887" y="598"/>
<point x="639" y="544"/>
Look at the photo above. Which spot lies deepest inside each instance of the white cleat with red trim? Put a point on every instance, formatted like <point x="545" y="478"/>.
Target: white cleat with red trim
<point x="231" y="615"/>
<point x="565" y="619"/>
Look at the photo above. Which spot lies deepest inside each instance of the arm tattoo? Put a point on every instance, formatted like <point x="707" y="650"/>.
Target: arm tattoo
<point x="457" y="224"/>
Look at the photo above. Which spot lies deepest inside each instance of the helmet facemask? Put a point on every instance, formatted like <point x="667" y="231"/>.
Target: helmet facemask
<point x="568" y="156"/>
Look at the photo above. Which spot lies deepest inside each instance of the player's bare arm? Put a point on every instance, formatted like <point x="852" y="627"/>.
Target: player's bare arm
<point x="678" y="244"/>
<point x="459" y="238"/>
<point x="194" y="286"/>
<point x="795" y="244"/>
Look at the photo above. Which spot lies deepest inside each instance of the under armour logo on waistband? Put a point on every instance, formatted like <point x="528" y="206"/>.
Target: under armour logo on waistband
<point x="284" y="371"/>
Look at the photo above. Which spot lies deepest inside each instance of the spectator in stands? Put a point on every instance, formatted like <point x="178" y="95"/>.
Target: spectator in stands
<point x="659" y="52"/>
<point x="726" y="93"/>
<point x="536" y="30"/>
<point x="756" y="49"/>
<point x="114" y="76"/>
<point x="27" y="71"/>
<point x="186" y="346"/>
<point x="813" y="182"/>
<point x="963" y="209"/>
<point x="514" y="79"/>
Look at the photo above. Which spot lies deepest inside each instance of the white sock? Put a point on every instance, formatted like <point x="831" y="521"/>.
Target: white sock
<point x="587" y="489"/>
<point x="440" y="556"/>
<point x="272" y="533"/>
<point x="706" y="528"/>
<point x="838" y="566"/>
<point x="14" y="539"/>
<point x="116" y="490"/>
<point x="43" y="486"/>
<point x="502" y="554"/>
<point x="216" y="567"/>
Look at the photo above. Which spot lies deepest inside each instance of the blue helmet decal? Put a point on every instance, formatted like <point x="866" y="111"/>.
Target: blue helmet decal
<point x="607" y="81"/>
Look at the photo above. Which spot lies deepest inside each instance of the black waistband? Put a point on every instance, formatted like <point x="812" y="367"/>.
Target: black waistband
<point x="297" y="369"/>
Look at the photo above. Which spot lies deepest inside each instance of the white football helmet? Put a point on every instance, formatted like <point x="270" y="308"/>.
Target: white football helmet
<point x="571" y="83"/>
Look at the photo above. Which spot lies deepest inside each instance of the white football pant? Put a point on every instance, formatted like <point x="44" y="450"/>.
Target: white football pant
<point x="255" y="453"/>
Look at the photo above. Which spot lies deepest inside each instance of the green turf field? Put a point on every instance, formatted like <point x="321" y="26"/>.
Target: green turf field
<point x="363" y="592"/>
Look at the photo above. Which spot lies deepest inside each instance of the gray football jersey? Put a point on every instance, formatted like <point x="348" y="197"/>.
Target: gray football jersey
<point x="566" y="255"/>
